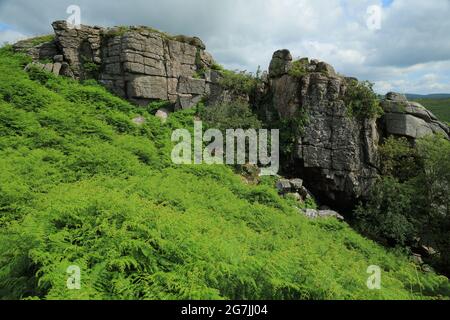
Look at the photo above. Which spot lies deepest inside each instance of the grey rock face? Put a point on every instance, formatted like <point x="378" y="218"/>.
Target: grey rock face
<point x="43" y="51"/>
<point x="393" y="96"/>
<point x="284" y="186"/>
<point x="136" y="63"/>
<point x="78" y="46"/>
<point x="325" y="68"/>
<point x="296" y="184"/>
<point x="337" y="154"/>
<point x="147" y="88"/>
<point x="317" y="214"/>
<point x="188" y="85"/>
<point x="409" y="119"/>
<point x="281" y="63"/>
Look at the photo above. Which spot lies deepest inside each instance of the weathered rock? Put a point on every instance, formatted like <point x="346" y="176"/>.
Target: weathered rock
<point x="296" y="196"/>
<point x="137" y="63"/>
<point x="306" y="194"/>
<point x="317" y="214"/>
<point x="296" y="184"/>
<point x="187" y="101"/>
<point x="58" y="58"/>
<point x="78" y="46"/>
<point x="406" y="125"/>
<point x="417" y="259"/>
<point x="139" y="120"/>
<point x="39" y="52"/>
<point x="325" y="68"/>
<point x="56" y="69"/>
<point x="48" y="67"/>
<point x="284" y="186"/>
<point x="149" y="88"/>
<point x="393" y="96"/>
<point x="281" y="63"/>
<point x="429" y="251"/>
<point x="409" y="119"/>
<point x="336" y="155"/>
<point x="330" y="213"/>
<point x="162" y="114"/>
<point x="191" y="86"/>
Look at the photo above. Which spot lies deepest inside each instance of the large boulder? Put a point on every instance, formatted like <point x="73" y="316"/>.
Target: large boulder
<point x="318" y="214"/>
<point x="281" y="63"/>
<point x="409" y="119"/>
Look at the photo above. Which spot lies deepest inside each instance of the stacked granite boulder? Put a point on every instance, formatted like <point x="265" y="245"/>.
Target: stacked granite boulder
<point x="409" y="119"/>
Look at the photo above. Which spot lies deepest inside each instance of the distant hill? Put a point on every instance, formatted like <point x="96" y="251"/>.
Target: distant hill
<point x="413" y="96"/>
<point x="439" y="106"/>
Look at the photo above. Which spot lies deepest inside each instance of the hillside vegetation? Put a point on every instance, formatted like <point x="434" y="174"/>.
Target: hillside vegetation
<point x="81" y="184"/>
<point x="439" y="107"/>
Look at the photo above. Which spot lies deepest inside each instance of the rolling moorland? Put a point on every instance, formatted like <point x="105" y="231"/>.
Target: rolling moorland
<point x="440" y="107"/>
<point x="82" y="183"/>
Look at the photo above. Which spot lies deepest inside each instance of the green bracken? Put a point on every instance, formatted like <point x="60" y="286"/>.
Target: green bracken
<point x="82" y="185"/>
<point x="41" y="39"/>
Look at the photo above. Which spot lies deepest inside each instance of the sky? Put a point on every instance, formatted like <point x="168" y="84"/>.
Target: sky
<point x="404" y="46"/>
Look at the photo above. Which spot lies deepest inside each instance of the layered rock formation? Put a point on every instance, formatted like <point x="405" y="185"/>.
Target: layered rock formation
<point x="337" y="154"/>
<point x="409" y="119"/>
<point x="137" y="63"/>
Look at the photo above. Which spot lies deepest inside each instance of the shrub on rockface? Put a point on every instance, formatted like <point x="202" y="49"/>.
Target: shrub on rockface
<point x="238" y="82"/>
<point x="234" y="115"/>
<point x="362" y="102"/>
<point x="299" y="68"/>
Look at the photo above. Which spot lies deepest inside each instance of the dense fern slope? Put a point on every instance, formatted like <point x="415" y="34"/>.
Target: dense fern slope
<point x="81" y="184"/>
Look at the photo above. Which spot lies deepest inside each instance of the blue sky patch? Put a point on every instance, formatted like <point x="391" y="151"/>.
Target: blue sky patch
<point x="4" y="26"/>
<point x="387" y="3"/>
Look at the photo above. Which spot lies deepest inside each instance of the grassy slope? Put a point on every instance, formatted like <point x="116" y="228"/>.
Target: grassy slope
<point x="80" y="184"/>
<point x="439" y="107"/>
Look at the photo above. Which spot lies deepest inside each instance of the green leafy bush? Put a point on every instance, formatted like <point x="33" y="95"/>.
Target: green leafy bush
<point x="362" y="102"/>
<point x="299" y="68"/>
<point x="390" y="215"/>
<point x="238" y="82"/>
<point x="235" y="115"/>
<point x="217" y="67"/>
<point x="411" y="200"/>
<point x="399" y="159"/>
<point x="42" y="39"/>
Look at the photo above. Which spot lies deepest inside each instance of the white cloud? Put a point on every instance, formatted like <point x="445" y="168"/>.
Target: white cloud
<point x="414" y="39"/>
<point x="10" y="36"/>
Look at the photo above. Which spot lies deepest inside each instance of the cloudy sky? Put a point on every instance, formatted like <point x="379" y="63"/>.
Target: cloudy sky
<point x="407" y="51"/>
